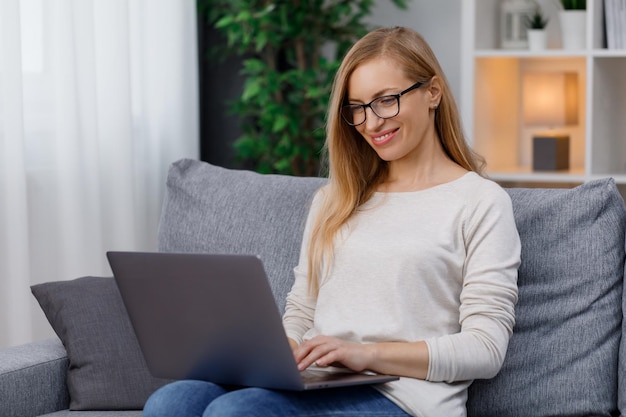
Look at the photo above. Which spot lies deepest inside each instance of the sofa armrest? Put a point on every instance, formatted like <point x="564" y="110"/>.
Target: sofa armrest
<point x="33" y="379"/>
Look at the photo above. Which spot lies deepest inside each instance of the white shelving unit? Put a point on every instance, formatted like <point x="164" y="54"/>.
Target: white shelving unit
<point x="491" y="98"/>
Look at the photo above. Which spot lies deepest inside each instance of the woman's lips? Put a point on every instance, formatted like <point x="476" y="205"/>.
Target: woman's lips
<point x="384" y="138"/>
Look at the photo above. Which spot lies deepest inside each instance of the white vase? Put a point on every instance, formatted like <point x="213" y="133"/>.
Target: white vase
<point x="537" y="39"/>
<point x="573" y="29"/>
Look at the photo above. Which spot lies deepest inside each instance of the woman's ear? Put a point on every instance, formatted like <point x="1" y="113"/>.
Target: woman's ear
<point x="435" y="91"/>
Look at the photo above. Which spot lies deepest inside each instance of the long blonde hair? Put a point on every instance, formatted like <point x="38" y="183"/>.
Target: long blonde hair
<point x="354" y="168"/>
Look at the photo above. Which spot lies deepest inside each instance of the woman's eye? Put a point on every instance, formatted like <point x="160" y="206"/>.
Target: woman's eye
<point x="356" y="109"/>
<point x="387" y="101"/>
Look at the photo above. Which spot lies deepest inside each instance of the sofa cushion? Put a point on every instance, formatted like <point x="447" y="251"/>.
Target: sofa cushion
<point x="562" y="358"/>
<point x="218" y="210"/>
<point x="106" y="368"/>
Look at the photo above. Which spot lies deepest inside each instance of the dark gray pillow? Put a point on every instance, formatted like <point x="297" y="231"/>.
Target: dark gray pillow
<point x="107" y="370"/>
<point x="217" y="210"/>
<point x="563" y="356"/>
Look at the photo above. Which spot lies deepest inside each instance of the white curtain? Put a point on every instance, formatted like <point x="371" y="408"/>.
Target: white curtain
<point x="97" y="98"/>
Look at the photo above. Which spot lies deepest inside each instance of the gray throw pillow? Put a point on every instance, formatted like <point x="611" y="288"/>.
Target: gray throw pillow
<point x="107" y="370"/>
<point x="563" y="356"/>
<point x="217" y="210"/>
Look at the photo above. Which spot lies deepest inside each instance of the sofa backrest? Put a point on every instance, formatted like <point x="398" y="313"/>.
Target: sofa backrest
<point x="216" y="210"/>
<point x="563" y="358"/>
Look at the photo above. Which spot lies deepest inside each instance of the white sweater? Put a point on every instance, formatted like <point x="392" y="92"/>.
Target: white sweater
<point x="438" y="265"/>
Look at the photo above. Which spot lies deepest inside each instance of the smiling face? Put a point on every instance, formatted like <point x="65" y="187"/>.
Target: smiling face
<point x="410" y="134"/>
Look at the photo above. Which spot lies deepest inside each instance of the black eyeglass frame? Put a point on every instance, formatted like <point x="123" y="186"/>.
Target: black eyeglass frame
<point x="365" y="106"/>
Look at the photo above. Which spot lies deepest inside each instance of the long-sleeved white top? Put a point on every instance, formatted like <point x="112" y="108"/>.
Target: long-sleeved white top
<point x="438" y="265"/>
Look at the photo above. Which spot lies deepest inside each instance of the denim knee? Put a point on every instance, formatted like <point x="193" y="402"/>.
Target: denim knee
<point x="181" y="398"/>
<point x="249" y="402"/>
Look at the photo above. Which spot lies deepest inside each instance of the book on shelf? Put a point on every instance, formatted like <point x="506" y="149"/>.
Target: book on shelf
<point x="615" y="23"/>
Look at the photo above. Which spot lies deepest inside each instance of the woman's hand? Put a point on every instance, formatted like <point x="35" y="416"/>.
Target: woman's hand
<point x="394" y="358"/>
<point x="330" y="351"/>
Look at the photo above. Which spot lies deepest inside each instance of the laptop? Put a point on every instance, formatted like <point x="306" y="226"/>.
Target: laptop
<point x="213" y="317"/>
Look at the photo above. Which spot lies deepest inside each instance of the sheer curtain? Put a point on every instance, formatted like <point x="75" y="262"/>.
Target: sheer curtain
<point x="97" y="98"/>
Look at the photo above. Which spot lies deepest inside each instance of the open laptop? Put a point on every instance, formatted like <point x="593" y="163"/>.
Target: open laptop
<point x="214" y="318"/>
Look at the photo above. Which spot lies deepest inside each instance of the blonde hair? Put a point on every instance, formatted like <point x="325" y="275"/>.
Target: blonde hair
<point x="354" y="168"/>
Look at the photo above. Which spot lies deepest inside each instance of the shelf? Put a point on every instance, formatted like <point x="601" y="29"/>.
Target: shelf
<point x="523" y="53"/>
<point x="528" y="175"/>
<point x="609" y="53"/>
<point x="492" y="99"/>
<point x="549" y="53"/>
<point x="521" y="175"/>
<point x="620" y="179"/>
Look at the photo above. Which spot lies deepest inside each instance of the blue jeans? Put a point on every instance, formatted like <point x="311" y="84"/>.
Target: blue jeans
<point x="204" y="399"/>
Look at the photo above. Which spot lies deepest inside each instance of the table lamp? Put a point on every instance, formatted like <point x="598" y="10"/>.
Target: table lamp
<point x="550" y="102"/>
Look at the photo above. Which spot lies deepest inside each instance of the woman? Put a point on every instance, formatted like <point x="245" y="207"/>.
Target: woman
<point x="409" y="260"/>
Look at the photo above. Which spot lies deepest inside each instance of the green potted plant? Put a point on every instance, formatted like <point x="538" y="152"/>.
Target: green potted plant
<point x="574" y="4"/>
<point x="573" y="19"/>
<point x="536" y="30"/>
<point x="537" y="20"/>
<point x="291" y="50"/>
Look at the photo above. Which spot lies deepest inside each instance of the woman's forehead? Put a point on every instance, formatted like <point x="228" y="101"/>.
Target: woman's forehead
<point x="376" y="77"/>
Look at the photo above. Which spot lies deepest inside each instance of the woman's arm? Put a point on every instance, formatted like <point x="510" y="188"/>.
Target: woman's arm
<point x="300" y="305"/>
<point x="488" y="296"/>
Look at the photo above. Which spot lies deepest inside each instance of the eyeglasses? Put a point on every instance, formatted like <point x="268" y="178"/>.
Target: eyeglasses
<point x="384" y="107"/>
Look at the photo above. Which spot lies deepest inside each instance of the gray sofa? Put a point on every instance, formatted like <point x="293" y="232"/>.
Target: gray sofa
<point x="566" y="357"/>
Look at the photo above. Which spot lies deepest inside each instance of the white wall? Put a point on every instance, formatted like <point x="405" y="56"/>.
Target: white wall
<point x="439" y="22"/>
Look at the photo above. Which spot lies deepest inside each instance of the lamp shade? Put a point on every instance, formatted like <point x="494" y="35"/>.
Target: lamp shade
<point x="550" y="98"/>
